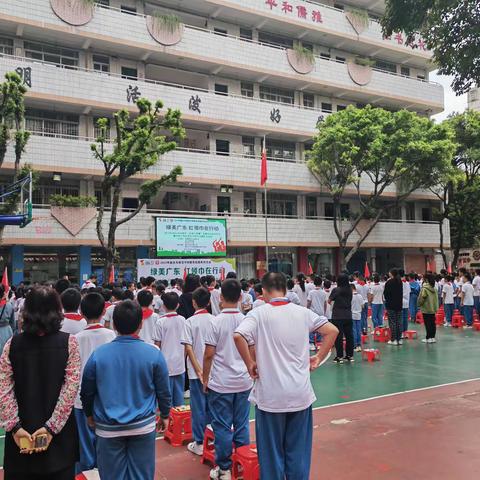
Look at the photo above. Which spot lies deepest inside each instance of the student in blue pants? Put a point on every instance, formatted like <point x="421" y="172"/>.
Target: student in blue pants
<point x="281" y="365"/>
<point x="226" y="381"/>
<point x="414" y="292"/>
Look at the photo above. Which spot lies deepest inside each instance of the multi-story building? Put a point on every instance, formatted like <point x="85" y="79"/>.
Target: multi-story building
<point x="234" y="69"/>
<point x="473" y="98"/>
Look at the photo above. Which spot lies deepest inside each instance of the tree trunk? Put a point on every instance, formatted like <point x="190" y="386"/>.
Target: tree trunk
<point x="110" y="250"/>
<point x="442" y="248"/>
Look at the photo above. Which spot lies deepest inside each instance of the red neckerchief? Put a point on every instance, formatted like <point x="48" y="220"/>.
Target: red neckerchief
<point x="146" y="312"/>
<point x="278" y="302"/>
<point x="199" y="312"/>
<point x="73" y="316"/>
<point x="171" y="314"/>
<point x="135" y="336"/>
<point x="3" y="302"/>
<point x="211" y="289"/>
<point x="95" y="326"/>
<point x="108" y="304"/>
<point x="361" y="282"/>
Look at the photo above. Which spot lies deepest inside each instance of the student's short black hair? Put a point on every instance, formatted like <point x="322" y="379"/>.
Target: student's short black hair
<point x="244" y="285"/>
<point x="106" y="294"/>
<point x="117" y="293"/>
<point x="127" y="317"/>
<point x="145" y="298"/>
<point x="274" y="281"/>
<point x="327" y="284"/>
<point x="258" y="288"/>
<point x="231" y="275"/>
<point x="376" y="278"/>
<point x="231" y="290"/>
<point x="170" y="300"/>
<point x="92" y="306"/>
<point x="61" y="285"/>
<point x="201" y="296"/>
<point x="317" y="281"/>
<point x="150" y="281"/>
<point x="127" y="295"/>
<point x="209" y="279"/>
<point x="71" y="299"/>
<point x="290" y="283"/>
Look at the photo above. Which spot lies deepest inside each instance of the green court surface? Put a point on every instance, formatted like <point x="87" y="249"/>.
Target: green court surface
<point x="416" y="365"/>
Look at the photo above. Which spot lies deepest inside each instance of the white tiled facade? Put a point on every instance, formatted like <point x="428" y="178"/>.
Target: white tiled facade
<point x="231" y="62"/>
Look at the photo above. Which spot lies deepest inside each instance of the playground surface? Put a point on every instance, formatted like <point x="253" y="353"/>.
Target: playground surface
<point x="413" y="414"/>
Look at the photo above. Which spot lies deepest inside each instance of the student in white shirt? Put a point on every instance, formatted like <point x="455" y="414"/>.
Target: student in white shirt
<point x="89" y="339"/>
<point x="327" y="288"/>
<point x="375" y="297"/>
<point x="150" y="318"/>
<point x="467" y="301"/>
<point x="448" y="300"/>
<point x="282" y="394"/>
<point x="476" y="291"/>
<point x="73" y="322"/>
<point x="317" y="302"/>
<point x="357" y="307"/>
<point x="168" y="334"/>
<point x="158" y="291"/>
<point x="196" y="329"/>
<point x="300" y="289"/>
<point x="362" y="288"/>
<point x="246" y="303"/>
<point x="90" y="283"/>
<point x="226" y="381"/>
<point x="291" y="295"/>
<point x="259" y="298"/>
<point x="117" y="297"/>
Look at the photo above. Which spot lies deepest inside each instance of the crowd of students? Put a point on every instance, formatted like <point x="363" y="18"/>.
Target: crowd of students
<point x="130" y="350"/>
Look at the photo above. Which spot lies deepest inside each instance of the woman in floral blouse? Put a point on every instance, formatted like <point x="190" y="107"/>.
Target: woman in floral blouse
<point x="39" y="380"/>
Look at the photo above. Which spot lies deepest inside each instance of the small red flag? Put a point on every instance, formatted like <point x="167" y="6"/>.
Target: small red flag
<point x="185" y="273"/>
<point x="310" y="269"/>
<point x="263" y="173"/>
<point x="5" y="280"/>
<point x="366" y="272"/>
<point x="449" y="269"/>
<point x="111" y="278"/>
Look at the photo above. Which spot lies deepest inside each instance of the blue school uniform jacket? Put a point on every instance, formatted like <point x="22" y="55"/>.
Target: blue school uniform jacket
<point x="123" y="381"/>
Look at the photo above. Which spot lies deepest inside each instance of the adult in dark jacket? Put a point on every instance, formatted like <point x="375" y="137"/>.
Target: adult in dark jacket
<point x="39" y="380"/>
<point x="393" y="294"/>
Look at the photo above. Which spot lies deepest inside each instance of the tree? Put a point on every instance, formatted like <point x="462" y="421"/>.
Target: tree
<point x="400" y="150"/>
<point x="450" y="29"/>
<point x="12" y="128"/>
<point x="459" y="190"/>
<point x="138" y="145"/>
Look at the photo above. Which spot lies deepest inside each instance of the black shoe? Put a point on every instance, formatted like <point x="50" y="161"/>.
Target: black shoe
<point x="338" y="360"/>
<point x="349" y="359"/>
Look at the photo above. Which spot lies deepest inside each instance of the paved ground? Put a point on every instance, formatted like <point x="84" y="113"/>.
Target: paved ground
<point x="419" y="435"/>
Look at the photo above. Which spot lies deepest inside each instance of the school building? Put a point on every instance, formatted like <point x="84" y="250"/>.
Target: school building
<point x="238" y="70"/>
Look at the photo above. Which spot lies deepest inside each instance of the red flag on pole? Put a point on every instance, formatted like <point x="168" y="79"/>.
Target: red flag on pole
<point x="449" y="269"/>
<point x="310" y="269"/>
<point x="366" y="272"/>
<point x="263" y="173"/>
<point x="111" y="278"/>
<point x="185" y="273"/>
<point x="5" y="280"/>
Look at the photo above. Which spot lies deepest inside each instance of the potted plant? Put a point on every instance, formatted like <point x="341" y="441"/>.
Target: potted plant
<point x="301" y="59"/>
<point x="360" y="70"/>
<point x="73" y="12"/>
<point x="166" y="29"/>
<point x="358" y="18"/>
<point x="73" y="212"/>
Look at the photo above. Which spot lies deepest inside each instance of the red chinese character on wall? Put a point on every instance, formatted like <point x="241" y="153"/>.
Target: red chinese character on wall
<point x="271" y="4"/>
<point x="317" y="16"/>
<point x="421" y="44"/>
<point x="287" y="7"/>
<point x="301" y="11"/>
<point x="399" y="38"/>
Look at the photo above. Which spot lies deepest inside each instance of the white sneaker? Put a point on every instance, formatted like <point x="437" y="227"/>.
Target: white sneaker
<point x="432" y="340"/>
<point x="400" y="342"/>
<point x="358" y="349"/>
<point x="195" y="448"/>
<point x="391" y="342"/>
<point x="426" y="340"/>
<point x="218" y="474"/>
<point x="187" y="394"/>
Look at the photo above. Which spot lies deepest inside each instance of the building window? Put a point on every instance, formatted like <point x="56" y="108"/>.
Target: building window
<point x="42" y="193"/>
<point x="385" y="66"/>
<point x="341" y="107"/>
<point x="338" y="6"/>
<point x="246" y="89"/>
<point x="129" y="203"/>
<point x="405" y="71"/>
<point x="340" y="59"/>
<point x="421" y="77"/>
<point x="6" y="46"/>
<point x="220" y="31"/>
<point x="311" y="207"/>
<point x="309" y="100"/>
<point x="281" y="150"/>
<point x="427" y="214"/>
<point x="224" y="204"/>
<point x="48" y="53"/>
<point x="96" y="130"/>
<point x="281" y="205"/>
<point x="246" y="34"/>
<point x="130" y="73"/>
<point x="248" y="144"/>
<point x="275" y="94"/>
<point x="51" y="123"/>
<point x="101" y="63"/>
<point x="222" y="147"/>
<point x="344" y="210"/>
<point x="308" y="46"/>
<point x="221" y="89"/>
<point x="103" y="3"/>
<point x="410" y="211"/>
<point x="325" y="55"/>
<point x="128" y="10"/>
<point x="327" y="107"/>
<point x="272" y="39"/>
<point x="249" y="203"/>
